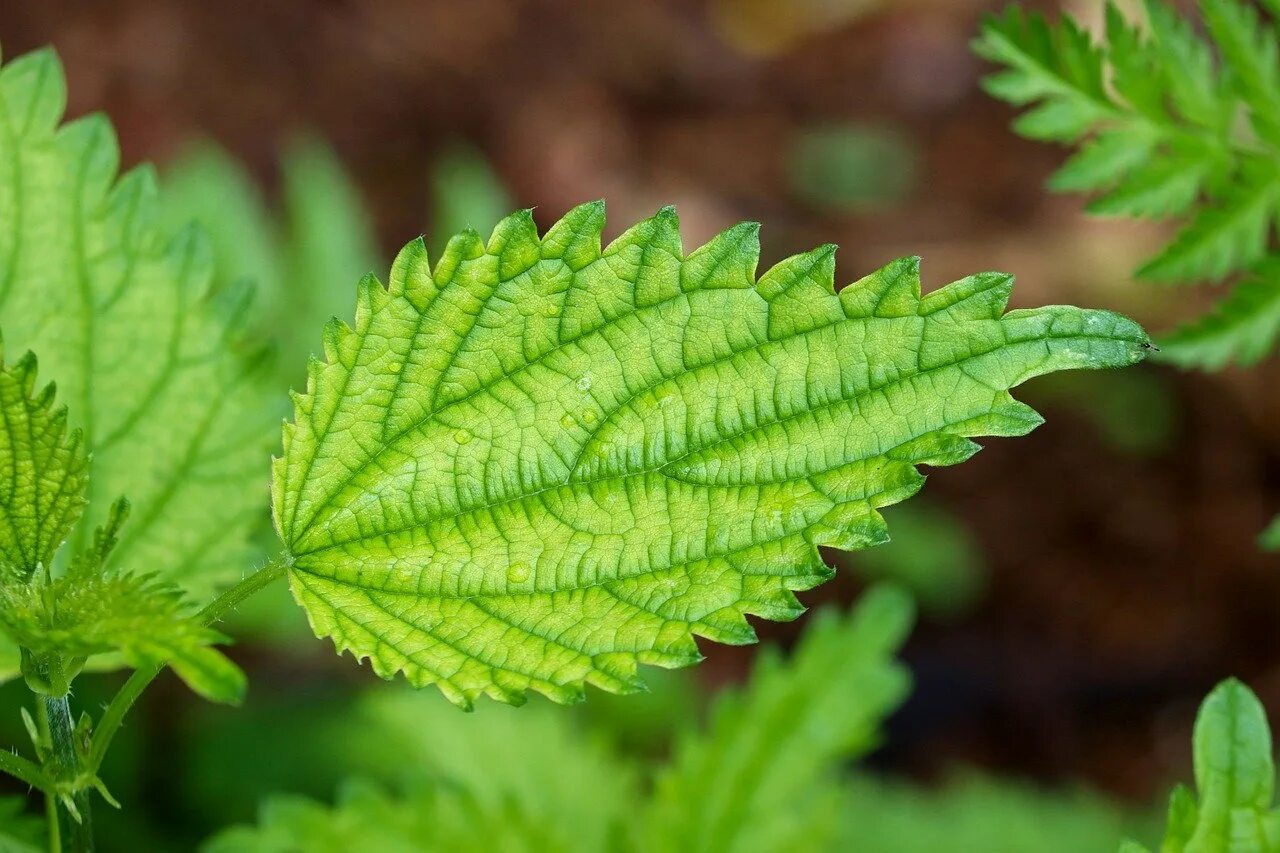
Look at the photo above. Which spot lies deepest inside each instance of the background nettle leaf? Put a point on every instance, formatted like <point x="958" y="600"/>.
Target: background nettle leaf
<point x="60" y="619"/>
<point x="754" y="782"/>
<point x="543" y="462"/>
<point x="762" y="775"/>
<point x="1235" y="778"/>
<point x="1155" y="112"/>
<point x="125" y="322"/>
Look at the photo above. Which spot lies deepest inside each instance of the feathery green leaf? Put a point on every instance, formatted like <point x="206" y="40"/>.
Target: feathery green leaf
<point x="1162" y="138"/>
<point x="1242" y="328"/>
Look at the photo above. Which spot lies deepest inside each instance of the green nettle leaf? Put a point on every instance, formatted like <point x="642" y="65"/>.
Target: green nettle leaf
<point x="1164" y="139"/>
<point x="88" y="609"/>
<point x="141" y="349"/>
<point x="1235" y="778"/>
<point x="541" y="462"/>
<point x="754" y="782"/>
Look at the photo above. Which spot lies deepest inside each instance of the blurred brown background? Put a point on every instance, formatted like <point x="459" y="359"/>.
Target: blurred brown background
<point x="1123" y="575"/>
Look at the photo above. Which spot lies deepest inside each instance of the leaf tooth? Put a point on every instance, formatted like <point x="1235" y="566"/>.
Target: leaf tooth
<point x="515" y="243"/>
<point x="728" y="260"/>
<point x="464" y="246"/>
<point x="24" y="371"/>
<point x="891" y="291"/>
<point x="659" y="232"/>
<point x="411" y="274"/>
<point x="302" y="403"/>
<point x="191" y="249"/>
<point x="568" y="693"/>
<point x="315" y="374"/>
<point x="983" y="296"/>
<point x="508" y="688"/>
<point x="727" y="625"/>
<point x="371" y="296"/>
<point x="814" y="267"/>
<point x="575" y="238"/>
<point x="677" y="654"/>
<point x="937" y="449"/>
<point x="33" y="91"/>
<point x="131" y="202"/>
<point x="617" y="673"/>
<point x="779" y="605"/>
<point x="91" y="140"/>
<point x="850" y="526"/>
<point x="339" y="343"/>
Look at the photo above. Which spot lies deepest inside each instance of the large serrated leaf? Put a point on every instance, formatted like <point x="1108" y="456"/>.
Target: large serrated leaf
<point x="142" y="352"/>
<point x="540" y="463"/>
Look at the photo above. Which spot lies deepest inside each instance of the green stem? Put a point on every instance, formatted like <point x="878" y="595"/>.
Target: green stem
<point x="72" y="832"/>
<point x="138" y="681"/>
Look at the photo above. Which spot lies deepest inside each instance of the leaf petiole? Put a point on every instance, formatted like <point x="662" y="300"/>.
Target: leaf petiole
<point x="140" y="678"/>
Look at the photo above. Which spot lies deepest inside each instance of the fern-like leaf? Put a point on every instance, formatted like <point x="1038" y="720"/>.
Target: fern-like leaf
<point x="543" y="462"/>
<point x="1162" y="138"/>
<point x="1241" y="329"/>
<point x="140" y="348"/>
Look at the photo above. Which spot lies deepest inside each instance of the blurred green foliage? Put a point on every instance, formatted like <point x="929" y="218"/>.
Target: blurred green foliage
<point x="1235" y="778"/>
<point x="932" y="554"/>
<point x="852" y="168"/>
<point x="766" y="771"/>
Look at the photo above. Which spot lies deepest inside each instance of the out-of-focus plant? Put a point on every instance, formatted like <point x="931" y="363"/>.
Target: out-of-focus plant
<point x="465" y="194"/>
<point x="1170" y="125"/>
<point x="1235" y="780"/>
<point x="851" y="167"/>
<point x="567" y="790"/>
<point x="933" y="555"/>
<point x="301" y="261"/>
<point x="972" y="812"/>
<point x="746" y="780"/>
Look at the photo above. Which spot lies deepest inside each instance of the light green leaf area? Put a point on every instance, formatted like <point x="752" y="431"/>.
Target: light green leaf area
<point x="1235" y="780"/>
<point x="543" y="462"/>
<point x="141" y="349"/>
<point x="58" y="620"/>
<point x="751" y="782"/>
